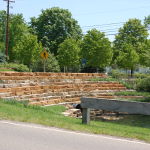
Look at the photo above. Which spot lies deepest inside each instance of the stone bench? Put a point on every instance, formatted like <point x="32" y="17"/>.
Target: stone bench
<point x="112" y="105"/>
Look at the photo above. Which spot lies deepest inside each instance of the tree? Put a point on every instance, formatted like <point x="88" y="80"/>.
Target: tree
<point x="17" y="28"/>
<point x="147" y="21"/>
<point x="96" y="49"/>
<point x="2" y="57"/>
<point x="53" y="26"/>
<point x="130" y="39"/>
<point x="145" y="56"/>
<point x="2" y="30"/>
<point x="68" y="53"/>
<point x="27" y="50"/>
<point x="128" y="57"/>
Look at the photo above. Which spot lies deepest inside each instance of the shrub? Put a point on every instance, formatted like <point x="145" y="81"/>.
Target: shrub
<point x="140" y="75"/>
<point x="21" y="68"/>
<point x="51" y="65"/>
<point x="144" y="85"/>
<point x="2" y="58"/>
<point x="128" y="84"/>
<point x="15" y="67"/>
<point x="118" y="75"/>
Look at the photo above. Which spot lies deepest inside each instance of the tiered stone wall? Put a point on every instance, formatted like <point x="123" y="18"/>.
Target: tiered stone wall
<point x="51" y="88"/>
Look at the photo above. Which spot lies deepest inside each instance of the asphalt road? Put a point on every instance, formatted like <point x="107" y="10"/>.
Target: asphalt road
<point x="22" y="136"/>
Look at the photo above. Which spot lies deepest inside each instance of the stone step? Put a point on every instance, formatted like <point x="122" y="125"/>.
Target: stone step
<point x="8" y="85"/>
<point x="42" y="77"/>
<point x="40" y="91"/>
<point x="55" y="101"/>
<point x="63" y="95"/>
<point x="31" y="94"/>
<point x="30" y="74"/>
<point x="5" y="95"/>
<point x="45" y="95"/>
<point x="54" y="88"/>
<point x="51" y="77"/>
<point x="61" y="84"/>
<point x="45" y="80"/>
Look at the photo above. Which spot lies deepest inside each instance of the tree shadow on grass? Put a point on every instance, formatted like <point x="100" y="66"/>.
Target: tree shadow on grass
<point x="129" y="120"/>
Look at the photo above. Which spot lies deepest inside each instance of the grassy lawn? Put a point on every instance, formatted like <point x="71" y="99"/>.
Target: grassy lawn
<point x="146" y="95"/>
<point x="136" y="127"/>
<point x="6" y="69"/>
<point x="132" y="93"/>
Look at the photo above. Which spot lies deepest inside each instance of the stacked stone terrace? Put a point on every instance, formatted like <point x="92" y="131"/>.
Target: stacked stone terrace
<point x="53" y="88"/>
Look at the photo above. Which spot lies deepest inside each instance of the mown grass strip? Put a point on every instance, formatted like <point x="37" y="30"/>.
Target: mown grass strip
<point x="145" y="96"/>
<point x="6" y="70"/>
<point x="132" y="93"/>
<point x="137" y="126"/>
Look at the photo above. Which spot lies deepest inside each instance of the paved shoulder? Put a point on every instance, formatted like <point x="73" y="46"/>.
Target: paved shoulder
<point x="22" y="136"/>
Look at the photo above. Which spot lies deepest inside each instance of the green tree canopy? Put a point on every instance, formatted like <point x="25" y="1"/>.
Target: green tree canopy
<point x="147" y="21"/>
<point x="130" y="39"/>
<point x="128" y="57"/>
<point x="2" y="30"/>
<point x="27" y="50"/>
<point x="145" y="56"/>
<point x="53" y="26"/>
<point x="96" y="49"/>
<point x="17" y="28"/>
<point x="68" y="53"/>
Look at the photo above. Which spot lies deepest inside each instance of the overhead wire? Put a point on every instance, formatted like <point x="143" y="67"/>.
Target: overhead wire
<point x="110" y="11"/>
<point x="106" y="27"/>
<point x="103" y="25"/>
<point x="109" y="29"/>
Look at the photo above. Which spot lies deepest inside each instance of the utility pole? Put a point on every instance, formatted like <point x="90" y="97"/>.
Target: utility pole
<point x="7" y="27"/>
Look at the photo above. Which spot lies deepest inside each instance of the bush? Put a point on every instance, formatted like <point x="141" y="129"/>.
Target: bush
<point x="141" y="75"/>
<point x="51" y="65"/>
<point x="15" y="67"/>
<point x="129" y="84"/>
<point x="118" y="75"/>
<point x="144" y="85"/>
<point x="2" y="58"/>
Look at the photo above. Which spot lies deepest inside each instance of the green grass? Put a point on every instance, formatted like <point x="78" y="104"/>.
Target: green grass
<point x="145" y="98"/>
<point x="137" y="127"/>
<point x="132" y="93"/>
<point x="6" y="69"/>
<point x="127" y="84"/>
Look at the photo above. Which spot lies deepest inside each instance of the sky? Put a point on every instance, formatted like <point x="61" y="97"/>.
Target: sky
<point x="105" y="15"/>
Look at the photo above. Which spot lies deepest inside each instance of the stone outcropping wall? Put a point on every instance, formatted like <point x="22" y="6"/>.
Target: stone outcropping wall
<point x="52" y="88"/>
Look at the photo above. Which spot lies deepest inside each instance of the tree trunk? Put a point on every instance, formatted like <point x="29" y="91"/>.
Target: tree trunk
<point x="64" y="69"/>
<point x="132" y="71"/>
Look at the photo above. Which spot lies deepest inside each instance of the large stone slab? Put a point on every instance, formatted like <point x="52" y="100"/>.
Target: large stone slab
<point x="112" y="105"/>
<point x="116" y="105"/>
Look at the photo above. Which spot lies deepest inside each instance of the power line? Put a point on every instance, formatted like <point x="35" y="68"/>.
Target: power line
<point x="112" y="11"/>
<point x="103" y="25"/>
<point x="106" y="25"/>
